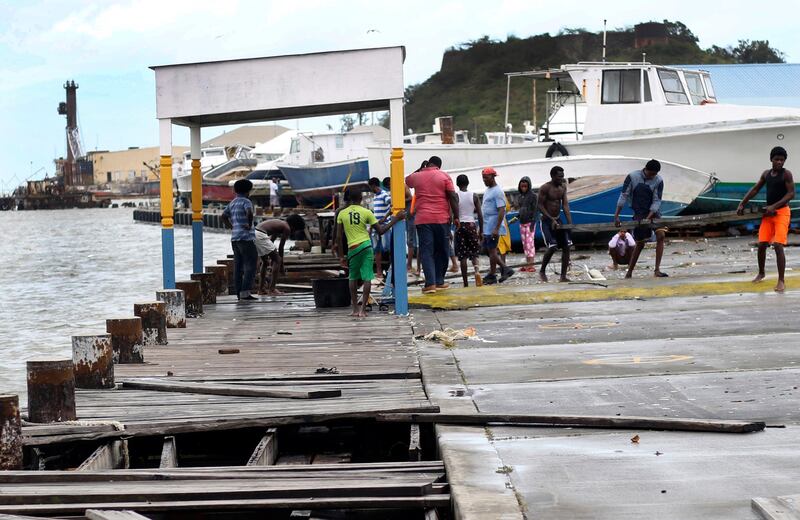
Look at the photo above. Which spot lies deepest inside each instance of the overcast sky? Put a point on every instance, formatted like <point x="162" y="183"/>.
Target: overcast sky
<point x="107" y="46"/>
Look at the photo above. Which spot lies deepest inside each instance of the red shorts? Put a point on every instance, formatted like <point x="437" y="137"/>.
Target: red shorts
<point x="775" y="229"/>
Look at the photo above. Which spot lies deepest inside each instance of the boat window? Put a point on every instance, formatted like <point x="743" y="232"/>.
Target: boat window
<point x="339" y="141"/>
<point x="621" y="86"/>
<point x="295" y="147"/>
<point x="673" y="89"/>
<point x="695" y="85"/>
<point x="648" y="96"/>
<point x="709" y="87"/>
<point x="214" y="153"/>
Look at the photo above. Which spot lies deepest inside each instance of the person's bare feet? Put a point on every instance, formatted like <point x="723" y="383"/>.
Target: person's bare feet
<point x="780" y="287"/>
<point x="354" y="314"/>
<point x="613" y="267"/>
<point x="362" y="314"/>
<point x="759" y="277"/>
<point x="628" y="275"/>
<point x="542" y="276"/>
<point x="275" y="292"/>
<point x="564" y="279"/>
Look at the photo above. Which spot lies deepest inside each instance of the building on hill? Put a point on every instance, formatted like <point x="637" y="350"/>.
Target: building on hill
<point x="248" y="135"/>
<point x="649" y="33"/>
<point x="764" y="84"/>
<point x="134" y="166"/>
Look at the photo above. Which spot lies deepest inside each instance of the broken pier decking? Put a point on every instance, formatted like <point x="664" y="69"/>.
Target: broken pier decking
<point x="281" y="345"/>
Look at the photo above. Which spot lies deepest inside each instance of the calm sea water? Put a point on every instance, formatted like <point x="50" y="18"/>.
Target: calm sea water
<point x="65" y="271"/>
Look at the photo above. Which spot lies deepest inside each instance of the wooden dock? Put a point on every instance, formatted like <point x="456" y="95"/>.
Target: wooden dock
<point x="277" y="384"/>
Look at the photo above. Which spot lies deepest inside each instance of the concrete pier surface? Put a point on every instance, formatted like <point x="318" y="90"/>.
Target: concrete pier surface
<point x="705" y="343"/>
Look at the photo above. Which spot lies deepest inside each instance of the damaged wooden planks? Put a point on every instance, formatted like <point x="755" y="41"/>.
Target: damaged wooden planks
<point x="218" y="389"/>
<point x="337" y="486"/>
<point x="582" y="421"/>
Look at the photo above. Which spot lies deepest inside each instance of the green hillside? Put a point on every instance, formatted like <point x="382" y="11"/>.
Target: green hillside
<point x="471" y="85"/>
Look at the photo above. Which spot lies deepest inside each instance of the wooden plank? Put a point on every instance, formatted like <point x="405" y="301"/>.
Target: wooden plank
<point x="414" y="447"/>
<point x="688" y="221"/>
<point x="239" y="390"/>
<point x="266" y="451"/>
<point x="97" y="514"/>
<point x="582" y="421"/>
<point x="775" y="508"/>
<point x="388" y="502"/>
<point x="169" y="453"/>
<point x="111" y="455"/>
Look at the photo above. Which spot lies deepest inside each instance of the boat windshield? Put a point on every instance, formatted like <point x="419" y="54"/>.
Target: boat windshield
<point x="695" y="84"/>
<point x="709" y="87"/>
<point x="673" y="88"/>
<point x="213" y="153"/>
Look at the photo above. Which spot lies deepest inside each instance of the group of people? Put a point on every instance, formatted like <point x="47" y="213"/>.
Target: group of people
<point x="444" y="223"/>
<point x="253" y="243"/>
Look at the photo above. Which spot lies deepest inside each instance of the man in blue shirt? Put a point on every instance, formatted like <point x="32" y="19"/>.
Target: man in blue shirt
<point x="238" y="215"/>
<point x="494" y="214"/>
<point x="643" y="190"/>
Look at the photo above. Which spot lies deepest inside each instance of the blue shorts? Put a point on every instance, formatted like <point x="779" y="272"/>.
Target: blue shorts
<point x="490" y="242"/>
<point x="411" y="234"/>
<point x="554" y="237"/>
<point x="382" y="243"/>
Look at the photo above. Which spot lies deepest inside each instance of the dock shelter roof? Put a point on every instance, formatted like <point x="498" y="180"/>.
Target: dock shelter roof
<point x="279" y="87"/>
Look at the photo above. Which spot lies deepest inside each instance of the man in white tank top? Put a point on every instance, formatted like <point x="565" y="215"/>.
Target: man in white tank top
<point x="467" y="241"/>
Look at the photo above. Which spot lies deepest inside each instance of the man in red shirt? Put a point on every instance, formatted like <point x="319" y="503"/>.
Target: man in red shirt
<point x="435" y="201"/>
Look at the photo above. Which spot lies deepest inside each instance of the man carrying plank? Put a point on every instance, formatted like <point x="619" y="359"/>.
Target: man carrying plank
<point x="643" y="190"/>
<point x="774" y="227"/>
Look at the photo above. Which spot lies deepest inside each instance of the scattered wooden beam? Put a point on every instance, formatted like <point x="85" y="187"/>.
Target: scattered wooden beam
<point x="266" y="451"/>
<point x="111" y="455"/>
<point x="687" y="221"/>
<point x="414" y="448"/>
<point x="169" y="453"/>
<point x="582" y="421"/>
<point x="217" y="389"/>
<point x="97" y="514"/>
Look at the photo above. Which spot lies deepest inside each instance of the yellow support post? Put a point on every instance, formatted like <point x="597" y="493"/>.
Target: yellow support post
<point x="167" y="223"/>
<point x="398" y="180"/>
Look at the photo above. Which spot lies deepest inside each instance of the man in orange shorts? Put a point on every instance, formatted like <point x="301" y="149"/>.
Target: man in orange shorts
<point x="775" y="223"/>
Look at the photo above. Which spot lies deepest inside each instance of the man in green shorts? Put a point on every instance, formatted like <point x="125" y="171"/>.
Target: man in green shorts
<point x="355" y="221"/>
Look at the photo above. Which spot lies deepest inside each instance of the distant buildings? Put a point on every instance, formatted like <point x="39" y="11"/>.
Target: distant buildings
<point x="131" y="166"/>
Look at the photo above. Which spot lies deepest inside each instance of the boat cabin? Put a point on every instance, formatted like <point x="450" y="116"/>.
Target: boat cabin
<point x="309" y="148"/>
<point x="609" y="98"/>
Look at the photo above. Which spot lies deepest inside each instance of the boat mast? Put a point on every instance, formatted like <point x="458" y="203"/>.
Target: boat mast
<point x="604" y="40"/>
<point x="508" y="95"/>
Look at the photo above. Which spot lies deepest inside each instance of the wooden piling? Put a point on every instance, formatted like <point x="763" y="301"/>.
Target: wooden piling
<point x="193" y="294"/>
<point x="126" y="339"/>
<point x="93" y="361"/>
<point x="154" y="322"/>
<point x="221" y="273"/>
<point x="227" y="262"/>
<point x="51" y="391"/>
<point x="10" y="433"/>
<point x="208" y="284"/>
<point x="176" y="307"/>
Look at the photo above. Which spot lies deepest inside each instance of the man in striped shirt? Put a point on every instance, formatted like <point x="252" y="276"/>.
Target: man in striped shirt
<point x="381" y="207"/>
<point x="238" y="215"/>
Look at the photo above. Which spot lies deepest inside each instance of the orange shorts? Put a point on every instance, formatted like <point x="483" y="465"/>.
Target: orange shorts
<point x="775" y="229"/>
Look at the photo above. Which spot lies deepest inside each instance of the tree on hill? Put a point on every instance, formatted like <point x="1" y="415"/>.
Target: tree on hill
<point x="756" y="51"/>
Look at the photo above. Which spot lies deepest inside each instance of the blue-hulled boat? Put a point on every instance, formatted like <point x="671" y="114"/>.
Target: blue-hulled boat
<point x="315" y="184"/>
<point x="320" y="165"/>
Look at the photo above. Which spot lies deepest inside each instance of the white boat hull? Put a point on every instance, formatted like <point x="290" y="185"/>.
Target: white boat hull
<point x="733" y="154"/>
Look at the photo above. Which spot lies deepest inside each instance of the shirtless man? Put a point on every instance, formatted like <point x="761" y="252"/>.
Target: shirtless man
<point x="552" y="199"/>
<point x="774" y="227"/>
<point x="267" y="233"/>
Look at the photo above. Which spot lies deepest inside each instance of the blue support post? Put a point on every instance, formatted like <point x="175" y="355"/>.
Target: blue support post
<point x="168" y="256"/>
<point x="197" y="246"/>
<point x="400" y="268"/>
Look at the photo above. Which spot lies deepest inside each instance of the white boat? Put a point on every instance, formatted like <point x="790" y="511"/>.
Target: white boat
<point x="639" y="110"/>
<point x="595" y="182"/>
<point x="319" y="165"/>
<point x="210" y="158"/>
